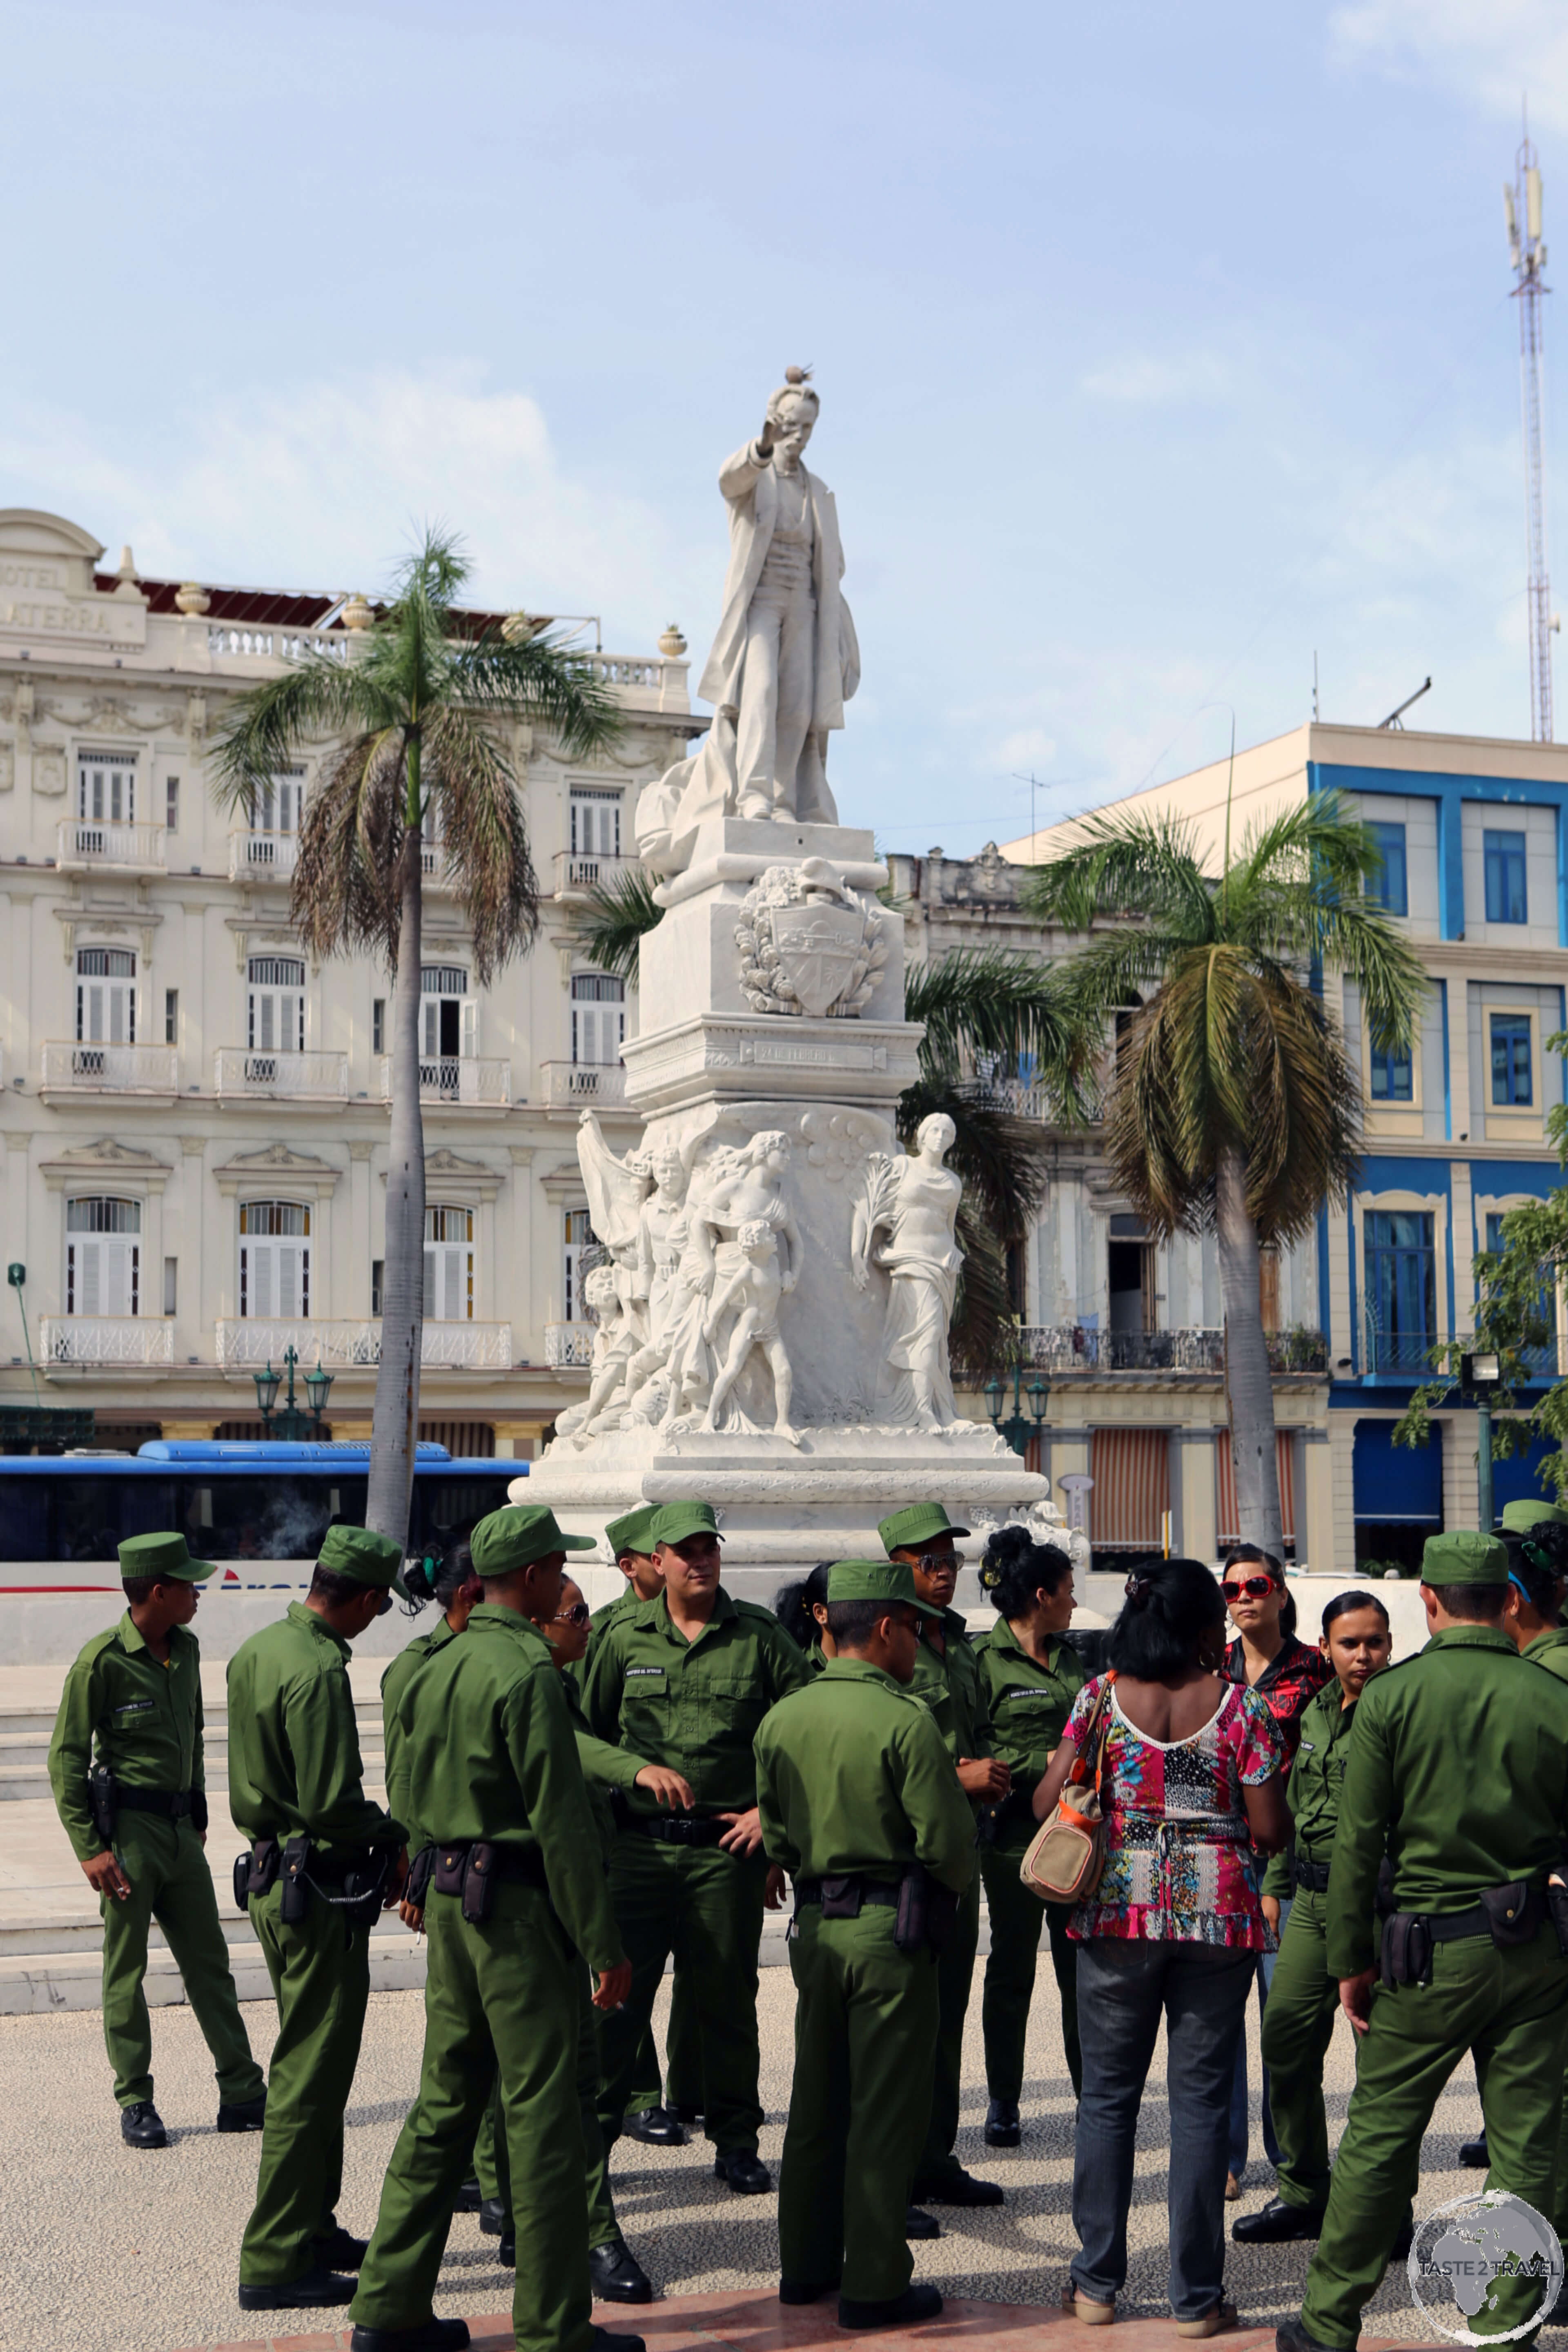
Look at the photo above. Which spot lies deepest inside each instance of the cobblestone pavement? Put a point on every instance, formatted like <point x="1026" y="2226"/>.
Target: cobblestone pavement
<point x="106" y="2247"/>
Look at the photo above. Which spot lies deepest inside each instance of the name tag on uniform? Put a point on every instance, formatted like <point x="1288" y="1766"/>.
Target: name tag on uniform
<point x="134" y="1706"/>
<point x="1027" y="1690"/>
<point x="1307" y="1747"/>
<point x="650" y="1681"/>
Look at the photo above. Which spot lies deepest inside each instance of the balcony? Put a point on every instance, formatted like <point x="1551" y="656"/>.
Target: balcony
<point x="83" y="1069"/>
<point x="568" y="1346"/>
<point x="105" y="1340"/>
<point x="1407" y="1355"/>
<point x="273" y="645"/>
<point x="581" y="1086"/>
<point x="262" y="856"/>
<point x="242" y="1077"/>
<point x="437" y="875"/>
<point x="86" y="846"/>
<point x="1064" y="1347"/>
<point x="577" y="875"/>
<point x="247" y="1343"/>
<point x="458" y="1081"/>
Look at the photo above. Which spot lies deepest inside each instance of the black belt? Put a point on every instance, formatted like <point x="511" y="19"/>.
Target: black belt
<point x="680" y="1829"/>
<point x="1312" y="1876"/>
<point x="174" y="1804"/>
<point x="523" y="1866"/>
<point x="871" y="1890"/>
<point x="332" y="1869"/>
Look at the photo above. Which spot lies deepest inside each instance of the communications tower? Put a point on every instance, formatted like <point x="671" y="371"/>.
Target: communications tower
<point x="1527" y="251"/>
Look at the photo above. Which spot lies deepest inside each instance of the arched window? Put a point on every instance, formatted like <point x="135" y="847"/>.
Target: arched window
<point x="105" y="996"/>
<point x="449" y="1265"/>
<point x="598" y="1017"/>
<point x="104" y="1257"/>
<point x="275" y="1014"/>
<point x="274" y="1259"/>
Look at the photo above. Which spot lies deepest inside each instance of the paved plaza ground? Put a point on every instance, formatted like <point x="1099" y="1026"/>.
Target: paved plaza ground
<point x="109" y="2251"/>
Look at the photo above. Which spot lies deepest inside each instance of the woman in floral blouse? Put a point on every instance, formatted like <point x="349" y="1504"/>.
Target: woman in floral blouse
<point x="1191" y="1792"/>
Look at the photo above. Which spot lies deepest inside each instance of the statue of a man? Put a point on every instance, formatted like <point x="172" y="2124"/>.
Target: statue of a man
<point x="786" y="659"/>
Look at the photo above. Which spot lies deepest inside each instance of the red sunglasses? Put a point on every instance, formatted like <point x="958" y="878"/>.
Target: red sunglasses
<point x="1254" y="1587"/>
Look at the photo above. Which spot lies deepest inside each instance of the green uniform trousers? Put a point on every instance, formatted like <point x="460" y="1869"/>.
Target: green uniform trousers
<point x="682" y="2080"/>
<point x="866" y="2015"/>
<point x="170" y="1882"/>
<point x="705" y="1907"/>
<point x="954" y="1974"/>
<point x="603" y="2226"/>
<point x="1016" y="1917"/>
<point x="320" y="1976"/>
<point x="1511" y="2008"/>
<point x="1298" y="2027"/>
<point x="501" y="1997"/>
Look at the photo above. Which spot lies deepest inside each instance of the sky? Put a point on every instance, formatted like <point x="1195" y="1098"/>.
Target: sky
<point x="1161" y="350"/>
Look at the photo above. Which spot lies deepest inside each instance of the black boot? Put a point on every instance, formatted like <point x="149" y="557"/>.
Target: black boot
<point x="1293" y="2338"/>
<point x="435" y="2336"/>
<point x="494" y="2219"/>
<point x="338" y="2252"/>
<point x="617" y="2275"/>
<point x="1276" y="2222"/>
<point x="310" y="2292"/>
<point x="1003" y="2128"/>
<point x="506" y="2253"/>
<point x="657" y="2126"/>
<point x="956" y="2186"/>
<point x="743" y="2172"/>
<point x="242" y="2115"/>
<point x="921" y="2225"/>
<point x="602" y="2340"/>
<point x="140" y="2125"/>
<point x="906" y="2310"/>
<point x="1473" y="2153"/>
<point x="469" y="2199"/>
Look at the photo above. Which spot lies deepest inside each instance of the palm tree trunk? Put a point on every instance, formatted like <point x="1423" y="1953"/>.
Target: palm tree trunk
<point x="394" y="1424"/>
<point x="1249" y="1387"/>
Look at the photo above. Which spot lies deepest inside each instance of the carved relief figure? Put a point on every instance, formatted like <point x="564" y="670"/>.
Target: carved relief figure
<point x="614" y="1347"/>
<point x="737" y="1186"/>
<point x="914" y="1201"/>
<point x="755" y="1287"/>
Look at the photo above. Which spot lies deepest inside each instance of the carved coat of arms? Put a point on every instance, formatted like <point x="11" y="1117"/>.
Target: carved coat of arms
<point x="808" y="943"/>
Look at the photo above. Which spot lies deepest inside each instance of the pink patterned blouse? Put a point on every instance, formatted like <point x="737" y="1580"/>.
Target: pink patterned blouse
<point x="1179" y="1867"/>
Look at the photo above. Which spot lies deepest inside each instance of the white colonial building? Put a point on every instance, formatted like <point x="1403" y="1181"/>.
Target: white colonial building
<point x="195" y="1111"/>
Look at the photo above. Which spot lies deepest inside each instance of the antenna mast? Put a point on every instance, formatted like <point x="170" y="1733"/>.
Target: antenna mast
<point x="1527" y="252"/>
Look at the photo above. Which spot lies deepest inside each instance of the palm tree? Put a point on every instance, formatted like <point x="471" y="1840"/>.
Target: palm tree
<point x="982" y="1007"/>
<point x="419" y="707"/>
<point x="1231" y="1101"/>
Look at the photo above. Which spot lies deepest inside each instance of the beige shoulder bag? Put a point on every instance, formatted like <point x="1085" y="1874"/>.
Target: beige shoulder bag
<point x="1067" y="1853"/>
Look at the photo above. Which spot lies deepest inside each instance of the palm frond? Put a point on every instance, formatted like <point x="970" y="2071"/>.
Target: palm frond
<point x="345" y="893"/>
<point x="1132" y="865"/>
<point x="610" y="928"/>
<point x="980" y="1333"/>
<point x="262" y="729"/>
<point x="485" y="836"/>
<point x="540" y="679"/>
<point x="988" y="1001"/>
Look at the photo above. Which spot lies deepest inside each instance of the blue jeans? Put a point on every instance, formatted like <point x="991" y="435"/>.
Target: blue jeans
<point x="1123" y="1991"/>
<point x="1238" y="2093"/>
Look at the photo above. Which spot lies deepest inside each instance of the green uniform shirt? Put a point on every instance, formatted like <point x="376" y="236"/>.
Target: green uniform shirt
<point x="1029" y="1704"/>
<point x="394" y="1683"/>
<point x="146" y="1720"/>
<point x="1458" y="1759"/>
<point x="293" y="1748"/>
<point x="1551" y="1651"/>
<point x="491" y="1748"/>
<point x="692" y="1706"/>
<point x="951" y="1688"/>
<point x="1312" y="1791"/>
<point x="852" y="1776"/>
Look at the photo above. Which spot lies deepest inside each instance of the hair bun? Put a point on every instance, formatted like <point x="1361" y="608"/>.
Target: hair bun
<point x="797" y="376"/>
<point x="1138" y="1588"/>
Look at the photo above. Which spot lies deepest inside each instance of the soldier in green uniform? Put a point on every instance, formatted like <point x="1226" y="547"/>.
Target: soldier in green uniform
<point x="1030" y="1674"/>
<point x="947" y="1677"/>
<point x="323" y="1861"/>
<point x="136" y="1692"/>
<point x="518" y="1903"/>
<point x="649" y="2116"/>
<point x="858" y="1804"/>
<point x="1469" y="1956"/>
<point x="1304" y="2000"/>
<point x="685" y="1681"/>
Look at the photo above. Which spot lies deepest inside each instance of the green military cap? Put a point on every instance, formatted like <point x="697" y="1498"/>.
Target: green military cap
<point x="1464" y="1557"/>
<point x="361" y="1555"/>
<point x="522" y="1533"/>
<point x="1518" y="1519"/>
<point x="917" y="1525"/>
<point x="673" y="1522"/>
<point x="876" y="1579"/>
<point x="163" y="1557"/>
<point x="631" y="1532"/>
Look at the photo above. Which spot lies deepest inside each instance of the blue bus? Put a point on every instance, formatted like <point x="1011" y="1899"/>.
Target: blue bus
<point x="249" y="1508"/>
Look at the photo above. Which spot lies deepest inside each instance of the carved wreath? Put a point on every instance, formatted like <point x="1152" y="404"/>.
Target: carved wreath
<point x="772" y="981"/>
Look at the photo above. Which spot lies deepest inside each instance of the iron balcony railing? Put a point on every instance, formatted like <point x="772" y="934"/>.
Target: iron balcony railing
<point x="1197" y="1348"/>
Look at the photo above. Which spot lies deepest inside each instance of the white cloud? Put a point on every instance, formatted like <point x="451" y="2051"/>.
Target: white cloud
<point x="1493" y="51"/>
<point x="1149" y="380"/>
<point x="1026" y="747"/>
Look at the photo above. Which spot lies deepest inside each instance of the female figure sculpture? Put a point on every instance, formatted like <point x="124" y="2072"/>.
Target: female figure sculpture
<point x="914" y="1202"/>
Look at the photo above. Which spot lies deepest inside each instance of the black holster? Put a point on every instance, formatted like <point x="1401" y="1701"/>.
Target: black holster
<point x="255" y="1871"/>
<point x="421" y="1870"/>
<point x="199" y="1810"/>
<point x="927" y="1912"/>
<point x="296" y="1897"/>
<point x="1557" y="1904"/>
<point x="1406" y="1956"/>
<point x="480" y="1883"/>
<point x="102" y="1802"/>
<point x="360" y="1901"/>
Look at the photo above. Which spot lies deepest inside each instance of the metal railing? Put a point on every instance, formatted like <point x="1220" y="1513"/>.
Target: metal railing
<point x="1069" y="1347"/>
<point x="105" y="1340"/>
<point x="84" y="842"/>
<point x="288" y="1077"/>
<point x="112" y="1069"/>
<point x="471" y="1081"/>
<point x="578" y="873"/>
<point x="262" y="856"/>
<point x="253" y="1340"/>
<point x="1411" y="1353"/>
<point x="568" y="1346"/>
<point x="583" y="1082"/>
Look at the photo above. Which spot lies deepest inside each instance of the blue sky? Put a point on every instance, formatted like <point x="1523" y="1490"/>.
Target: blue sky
<point x="1159" y="348"/>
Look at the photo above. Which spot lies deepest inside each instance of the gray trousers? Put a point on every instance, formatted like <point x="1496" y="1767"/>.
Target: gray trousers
<point x="1123" y="1991"/>
<point x="777" y="691"/>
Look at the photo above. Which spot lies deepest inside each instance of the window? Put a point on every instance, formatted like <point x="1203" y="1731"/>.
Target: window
<point x="274" y="1259"/>
<point x="378" y="1024"/>
<point x="106" y="787"/>
<point x="1390" y="889"/>
<point x="172" y="802"/>
<point x="377" y="1285"/>
<point x="449" y="1265"/>
<point x="171" y="1016"/>
<point x="582" y="1250"/>
<point x="1393" y="1076"/>
<point x="1503" y="854"/>
<point x="275" y="1005"/>
<point x="105" y="996"/>
<point x="596" y="822"/>
<point x="448" y="1026"/>
<point x="103" y="1258"/>
<point x="171" y="1286"/>
<point x="1510" y="1060"/>
<point x="1543" y="1336"/>
<point x="1401" y="1288"/>
<point x="598" y="1017"/>
<point x="275" y="808"/>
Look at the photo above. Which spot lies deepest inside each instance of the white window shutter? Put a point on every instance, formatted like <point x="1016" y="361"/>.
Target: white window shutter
<point x="117" y="1288"/>
<point x="429" y="1306"/>
<point x="470" y="1028"/>
<point x="90" y="1286"/>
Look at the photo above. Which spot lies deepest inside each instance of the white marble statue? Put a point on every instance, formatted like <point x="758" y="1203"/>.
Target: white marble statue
<point x="914" y="1202"/>
<point x="615" y="1344"/>
<point x="786" y="659"/>
<point x="754" y="1286"/>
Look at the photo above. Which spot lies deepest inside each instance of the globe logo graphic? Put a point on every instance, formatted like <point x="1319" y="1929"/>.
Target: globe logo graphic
<point x="1484" y="2257"/>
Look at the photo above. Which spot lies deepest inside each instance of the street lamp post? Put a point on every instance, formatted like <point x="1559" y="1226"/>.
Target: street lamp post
<point x="1016" y="1429"/>
<point x="1482" y="1375"/>
<point x="291" y="1426"/>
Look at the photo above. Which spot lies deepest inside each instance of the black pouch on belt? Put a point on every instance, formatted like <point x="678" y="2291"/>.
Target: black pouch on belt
<point x="841" y="1898"/>
<point x="421" y="1870"/>
<point x="363" y="1890"/>
<point x="1514" y="1912"/>
<point x="256" y="1870"/>
<point x="1407" y="1949"/>
<point x="451" y="1862"/>
<point x="480" y="1881"/>
<point x="296" y="1896"/>
<point x="1557" y="1904"/>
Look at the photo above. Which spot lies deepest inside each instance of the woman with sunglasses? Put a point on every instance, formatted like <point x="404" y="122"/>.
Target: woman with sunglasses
<point x="1287" y="1675"/>
<point x="1304" y="1998"/>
